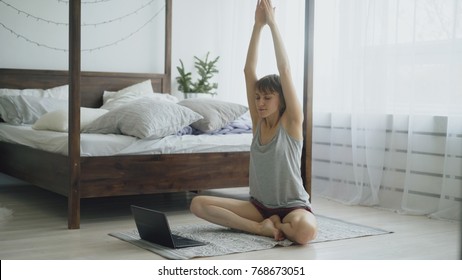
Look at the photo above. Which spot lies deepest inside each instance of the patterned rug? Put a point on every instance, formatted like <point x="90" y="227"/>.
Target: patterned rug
<point x="224" y="241"/>
<point x="5" y="215"/>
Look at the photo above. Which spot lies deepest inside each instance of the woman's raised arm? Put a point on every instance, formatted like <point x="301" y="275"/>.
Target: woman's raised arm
<point x="250" y="68"/>
<point x="293" y="116"/>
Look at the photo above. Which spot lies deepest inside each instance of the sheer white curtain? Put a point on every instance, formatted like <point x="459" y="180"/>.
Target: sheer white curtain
<point x="388" y="104"/>
<point x="233" y="25"/>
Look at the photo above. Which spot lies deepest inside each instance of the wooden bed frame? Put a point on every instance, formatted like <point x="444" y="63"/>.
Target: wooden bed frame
<point x="79" y="177"/>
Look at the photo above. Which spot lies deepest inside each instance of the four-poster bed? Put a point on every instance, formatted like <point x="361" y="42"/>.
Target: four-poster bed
<point x="76" y="176"/>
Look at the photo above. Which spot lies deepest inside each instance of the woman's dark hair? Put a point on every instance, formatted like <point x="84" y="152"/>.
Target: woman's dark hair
<point x="272" y="84"/>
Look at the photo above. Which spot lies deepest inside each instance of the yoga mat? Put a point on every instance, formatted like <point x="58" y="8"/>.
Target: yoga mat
<point x="224" y="241"/>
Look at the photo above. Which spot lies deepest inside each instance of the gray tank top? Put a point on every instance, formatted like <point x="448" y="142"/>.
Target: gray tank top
<point x="275" y="171"/>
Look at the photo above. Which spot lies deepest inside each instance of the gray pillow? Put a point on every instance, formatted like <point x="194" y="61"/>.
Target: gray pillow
<point x="216" y="113"/>
<point x="144" y="117"/>
<point x="25" y="109"/>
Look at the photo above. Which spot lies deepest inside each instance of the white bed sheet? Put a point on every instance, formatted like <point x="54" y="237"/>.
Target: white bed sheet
<point x="111" y="144"/>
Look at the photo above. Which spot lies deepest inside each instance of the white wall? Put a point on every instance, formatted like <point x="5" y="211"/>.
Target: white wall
<point x="29" y="40"/>
<point x="34" y="34"/>
<point x="224" y="27"/>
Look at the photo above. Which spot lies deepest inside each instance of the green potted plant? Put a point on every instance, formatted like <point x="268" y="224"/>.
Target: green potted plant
<point x="206" y="69"/>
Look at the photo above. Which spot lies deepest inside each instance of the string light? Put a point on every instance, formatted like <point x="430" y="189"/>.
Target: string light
<point x="29" y="40"/>
<point x="83" y="50"/>
<point x="119" y="18"/>
<point x="128" y="36"/>
<point x="86" y="2"/>
<point x="32" y="16"/>
<point x="19" y="11"/>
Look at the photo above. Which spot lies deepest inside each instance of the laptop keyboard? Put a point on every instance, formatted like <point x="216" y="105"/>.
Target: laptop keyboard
<point x="179" y="240"/>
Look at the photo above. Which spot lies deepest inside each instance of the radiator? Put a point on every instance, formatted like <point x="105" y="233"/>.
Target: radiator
<point x="418" y="160"/>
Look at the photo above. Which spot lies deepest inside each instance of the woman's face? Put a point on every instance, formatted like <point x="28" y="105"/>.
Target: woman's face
<point x="267" y="103"/>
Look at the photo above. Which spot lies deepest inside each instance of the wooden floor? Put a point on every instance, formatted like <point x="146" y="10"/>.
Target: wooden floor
<point x="38" y="229"/>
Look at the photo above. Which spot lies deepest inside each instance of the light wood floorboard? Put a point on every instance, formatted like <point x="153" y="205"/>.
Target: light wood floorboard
<point x="38" y="229"/>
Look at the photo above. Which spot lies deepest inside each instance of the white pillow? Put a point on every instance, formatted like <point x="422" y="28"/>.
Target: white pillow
<point x="144" y="117"/>
<point x="119" y="99"/>
<point x="25" y="109"/>
<point x="59" y="120"/>
<point x="142" y="88"/>
<point x="60" y="92"/>
<point x="216" y="114"/>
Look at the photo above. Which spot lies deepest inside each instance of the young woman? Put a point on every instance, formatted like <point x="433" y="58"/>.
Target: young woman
<point x="279" y="206"/>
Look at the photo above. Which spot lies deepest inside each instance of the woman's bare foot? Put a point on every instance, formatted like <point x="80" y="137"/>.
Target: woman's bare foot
<point x="268" y="228"/>
<point x="277" y="224"/>
<point x="276" y="221"/>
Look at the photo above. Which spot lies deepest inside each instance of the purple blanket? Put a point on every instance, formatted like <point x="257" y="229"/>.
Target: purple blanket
<point x="241" y="125"/>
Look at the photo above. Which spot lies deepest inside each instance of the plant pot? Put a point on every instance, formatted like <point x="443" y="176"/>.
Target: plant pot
<point x="198" y="95"/>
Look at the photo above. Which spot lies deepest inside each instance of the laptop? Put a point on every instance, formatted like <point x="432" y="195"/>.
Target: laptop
<point x="153" y="226"/>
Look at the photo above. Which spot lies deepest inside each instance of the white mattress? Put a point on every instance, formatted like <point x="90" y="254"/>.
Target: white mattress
<point x="111" y="144"/>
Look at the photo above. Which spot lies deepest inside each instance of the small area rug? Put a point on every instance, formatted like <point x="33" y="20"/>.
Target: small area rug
<point x="5" y="215"/>
<point x="224" y="241"/>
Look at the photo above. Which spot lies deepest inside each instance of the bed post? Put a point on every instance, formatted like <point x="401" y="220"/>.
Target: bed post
<point x="308" y="95"/>
<point x="168" y="47"/>
<point x="73" y="210"/>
